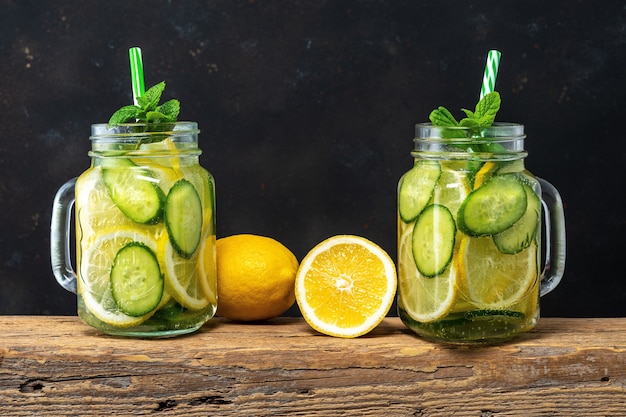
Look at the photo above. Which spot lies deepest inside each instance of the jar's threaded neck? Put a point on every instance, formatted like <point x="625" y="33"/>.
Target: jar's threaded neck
<point x="501" y="141"/>
<point x="144" y="139"/>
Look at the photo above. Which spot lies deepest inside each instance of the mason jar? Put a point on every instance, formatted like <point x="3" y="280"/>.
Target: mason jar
<point x="144" y="215"/>
<point x="470" y="217"/>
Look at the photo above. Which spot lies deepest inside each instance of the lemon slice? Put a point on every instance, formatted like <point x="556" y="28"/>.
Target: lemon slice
<point x="95" y="269"/>
<point x="170" y="154"/>
<point x="492" y="279"/>
<point x="175" y="159"/>
<point x="164" y="176"/>
<point x="97" y="211"/>
<point x="345" y="286"/>
<point x="451" y="190"/>
<point x="484" y="173"/>
<point x="424" y="299"/>
<point x="182" y="280"/>
<point x="207" y="272"/>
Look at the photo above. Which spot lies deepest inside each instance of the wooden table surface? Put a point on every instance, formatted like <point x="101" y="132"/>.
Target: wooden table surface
<point x="57" y="366"/>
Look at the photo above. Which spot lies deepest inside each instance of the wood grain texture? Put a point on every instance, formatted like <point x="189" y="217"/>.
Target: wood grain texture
<point x="57" y="366"/>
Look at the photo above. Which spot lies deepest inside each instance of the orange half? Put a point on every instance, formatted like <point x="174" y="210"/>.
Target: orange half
<point x="345" y="286"/>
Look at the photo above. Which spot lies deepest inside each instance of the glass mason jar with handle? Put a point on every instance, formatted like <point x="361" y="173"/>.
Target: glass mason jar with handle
<point x="144" y="232"/>
<point x="469" y="236"/>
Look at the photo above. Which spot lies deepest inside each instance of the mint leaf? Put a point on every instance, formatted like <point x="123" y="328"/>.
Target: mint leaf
<point x="125" y="114"/>
<point x="442" y="117"/>
<point x="471" y="123"/>
<point x="156" y="117"/>
<point x="474" y="121"/>
<point x="150" y="99"/>
<point x="485" y="112"/>
<point x="487" y="108"/>
<point x="468" y="113"/>
<point x="483" y="116"/>
<point x="148" y="110"/>
<point x="170" y="109"/>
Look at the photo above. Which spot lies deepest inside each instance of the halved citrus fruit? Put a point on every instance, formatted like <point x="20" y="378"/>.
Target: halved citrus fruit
<point x="345" y="286"/>
<point x="491" y="279"/>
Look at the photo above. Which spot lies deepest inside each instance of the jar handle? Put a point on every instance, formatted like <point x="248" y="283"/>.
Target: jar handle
<point x="60" y="236"/>
<point x="555" y="237"/>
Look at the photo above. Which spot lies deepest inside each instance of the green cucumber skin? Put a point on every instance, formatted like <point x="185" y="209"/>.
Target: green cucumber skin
<point x="522" y="234"/>
<point x="140" y="199"/>
<point x="416" y="189"/>
<point x="433" y="253"/>
<point x="136" y="280"/>
<point x="493" y="207"/>
<point x="183" y="218"/>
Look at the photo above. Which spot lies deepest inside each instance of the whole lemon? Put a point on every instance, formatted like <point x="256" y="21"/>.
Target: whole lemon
<point x="255" y="277"/>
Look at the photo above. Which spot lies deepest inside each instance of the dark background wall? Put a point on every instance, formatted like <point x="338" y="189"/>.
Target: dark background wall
<point x="307" y="110"/>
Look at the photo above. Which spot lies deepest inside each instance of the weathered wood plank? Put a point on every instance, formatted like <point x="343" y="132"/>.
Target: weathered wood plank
<point x="58" y="366"/>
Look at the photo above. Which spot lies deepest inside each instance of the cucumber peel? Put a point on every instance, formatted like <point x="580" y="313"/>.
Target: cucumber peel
<point x="133" y="190"/>
<point x="493" y="207"/>
<point x="183" y="218"/>
<point x="433" y="240"/>
<point x="521" y="235"/>
<point x="416" y="189"/>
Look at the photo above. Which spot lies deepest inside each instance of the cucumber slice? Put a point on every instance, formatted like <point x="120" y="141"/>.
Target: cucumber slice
<point x="520" y="236"/>
<point x="133" y="190"/>
<point x="183" y="218"/>
<point x="433" y="240"/>
<point x="416" y="189"/>
<point x="136" y="280"/>
<point x="493" y="207"/>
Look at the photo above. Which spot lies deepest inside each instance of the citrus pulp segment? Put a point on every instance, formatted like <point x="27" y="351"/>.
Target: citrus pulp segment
<point x="95" y="269"/>
<point x="491" y="279"/>
<point x="345" y="286"/>
<point x="170" y="154"/>
<point x="484" y="173"/>
<point x="424" y="299"/>
<point x="164" y="176"/>
<point x="206" y="268"/>
<point x="97" y="210"/>
<point x="451" y="189"/>
<point x="181" y="276"/>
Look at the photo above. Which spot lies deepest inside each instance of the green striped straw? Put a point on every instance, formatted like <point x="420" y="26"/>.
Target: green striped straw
<point x="491" y="71"/>
<point x="136" y="73"/>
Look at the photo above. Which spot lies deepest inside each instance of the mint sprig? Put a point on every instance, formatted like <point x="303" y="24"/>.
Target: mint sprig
<point x="148" y="109"/>
<point x="475" y="121"/>
<point x="483" y="115"/>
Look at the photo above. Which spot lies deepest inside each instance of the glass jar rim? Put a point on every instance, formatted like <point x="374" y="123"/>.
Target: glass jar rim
<point x="138" y="130"/>
<point x="499" y="131"/>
